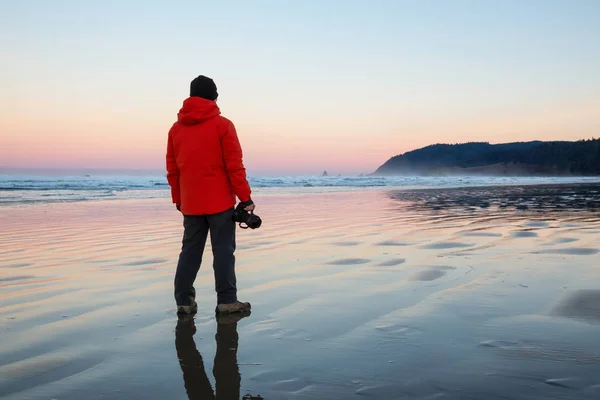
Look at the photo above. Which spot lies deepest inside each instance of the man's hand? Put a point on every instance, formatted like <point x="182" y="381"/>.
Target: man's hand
<point x="248" y="205"/>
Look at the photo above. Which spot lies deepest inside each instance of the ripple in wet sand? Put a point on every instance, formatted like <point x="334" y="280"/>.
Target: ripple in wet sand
<point x="583" y="304"/>
<point x="392" y="243"/>
<point x="499" y="344"/>
<point x="431" y="274"/>
<point x="538" y="224"/>
<point x="262" y="243"/>
<point x="15" y="278"/>
<point x="292" y="385"/>
<point x="524" y="234"/>
<point x="482" y="234"/>
<point x="565" y="240"/>
<point x="577" y="251"/>
<point x="567" y="383"/>
<point x="426" y="276"/>
<point x="254" y="245"/>
<point x="146" y="262"/>
<point x="542" y="351"/>
<point x="22" y="265"/>
<point x="33" y="366"/>
<point x="349" y="243"/>
<point x="398" y="328"/>
<point x="349" y="261"/>
<point x="446" y="245"/>
<point x="333" y="235"/>
<point x="392" y="263"/>
<point x="383" y="390"/>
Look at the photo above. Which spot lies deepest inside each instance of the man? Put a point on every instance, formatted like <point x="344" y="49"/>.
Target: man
<point x="206" y="172"/>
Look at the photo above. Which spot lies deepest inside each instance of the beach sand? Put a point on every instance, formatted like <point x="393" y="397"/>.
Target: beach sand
<point x="489" y="293"/>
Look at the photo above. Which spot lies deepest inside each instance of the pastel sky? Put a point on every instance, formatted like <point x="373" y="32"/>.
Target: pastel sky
<point x="311" y="85"/>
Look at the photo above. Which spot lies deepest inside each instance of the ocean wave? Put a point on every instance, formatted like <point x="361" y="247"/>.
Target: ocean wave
<point x="27" y="189"/>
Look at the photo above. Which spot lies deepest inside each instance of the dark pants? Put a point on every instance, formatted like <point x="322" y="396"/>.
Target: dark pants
<point x="222" y="239"/>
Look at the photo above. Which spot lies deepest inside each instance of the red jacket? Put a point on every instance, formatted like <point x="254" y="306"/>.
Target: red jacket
<point x="204" y="160"/>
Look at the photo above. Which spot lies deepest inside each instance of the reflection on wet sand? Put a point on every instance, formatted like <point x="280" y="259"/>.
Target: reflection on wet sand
<point x="225" y="370"/>
<point x="535" y="198"/>
<point x="420" y="294"/>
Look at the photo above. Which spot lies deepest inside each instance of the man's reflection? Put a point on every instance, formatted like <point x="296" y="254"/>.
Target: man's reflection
<point x="225" y="370"/>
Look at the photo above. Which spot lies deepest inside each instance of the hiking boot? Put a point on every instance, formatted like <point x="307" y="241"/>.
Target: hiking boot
<point x="187" y="310"/>
<point x="230" y="308"/>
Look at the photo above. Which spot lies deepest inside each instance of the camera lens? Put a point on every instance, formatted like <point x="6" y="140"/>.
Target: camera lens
<point x="253" y="221"/>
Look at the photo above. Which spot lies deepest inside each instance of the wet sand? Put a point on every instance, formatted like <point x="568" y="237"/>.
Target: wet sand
<point x="489" y="293"/>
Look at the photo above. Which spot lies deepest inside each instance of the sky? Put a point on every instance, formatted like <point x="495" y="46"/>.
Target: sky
<point x="310" y="85"/>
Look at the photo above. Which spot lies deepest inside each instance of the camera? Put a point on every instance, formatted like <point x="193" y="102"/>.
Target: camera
<point x="242" y="216"/>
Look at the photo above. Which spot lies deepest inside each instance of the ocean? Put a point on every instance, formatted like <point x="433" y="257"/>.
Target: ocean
<point x="16" y="189"/>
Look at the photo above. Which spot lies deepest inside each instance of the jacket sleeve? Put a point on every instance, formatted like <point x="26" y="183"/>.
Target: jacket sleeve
<point x="232" y="156"/>
<point x="173" y="170"/>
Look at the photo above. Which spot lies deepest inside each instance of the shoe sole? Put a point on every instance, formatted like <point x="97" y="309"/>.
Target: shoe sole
<point x="244" y="310"/>
<point x="181" y="311"/>
<point x="227" y="319"/>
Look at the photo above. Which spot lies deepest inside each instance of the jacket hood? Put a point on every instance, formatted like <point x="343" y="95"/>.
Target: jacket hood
<point x="196" y="110"/>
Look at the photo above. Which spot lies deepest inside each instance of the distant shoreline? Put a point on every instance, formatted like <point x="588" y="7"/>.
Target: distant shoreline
<point x="494" y="170"/>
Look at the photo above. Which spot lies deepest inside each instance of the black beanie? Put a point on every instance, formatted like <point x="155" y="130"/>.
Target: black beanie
<point x="204" y="87"/>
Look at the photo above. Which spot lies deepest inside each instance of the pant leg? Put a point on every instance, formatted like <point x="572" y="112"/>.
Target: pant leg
<point x="222" y="237"/>
<point x="225" y="368"/>
<point x="190" y="258"/>
<point x="195" y="379"/>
